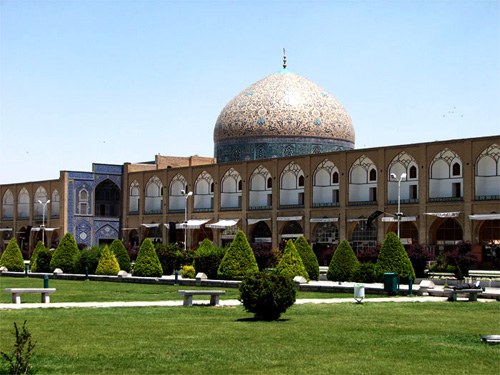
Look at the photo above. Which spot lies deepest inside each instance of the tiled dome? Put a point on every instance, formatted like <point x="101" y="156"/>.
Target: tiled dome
<point x="281" y="115"/>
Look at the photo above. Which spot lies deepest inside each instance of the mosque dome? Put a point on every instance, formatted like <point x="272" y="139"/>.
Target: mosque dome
<point x="283" y="114"/>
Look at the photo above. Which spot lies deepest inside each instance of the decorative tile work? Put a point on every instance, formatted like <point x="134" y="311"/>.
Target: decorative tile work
<point x="283" y="104"/>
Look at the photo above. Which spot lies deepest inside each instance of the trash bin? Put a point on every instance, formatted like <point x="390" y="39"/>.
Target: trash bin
<point x="391" y="285"/>
<point x="359" y="292"/>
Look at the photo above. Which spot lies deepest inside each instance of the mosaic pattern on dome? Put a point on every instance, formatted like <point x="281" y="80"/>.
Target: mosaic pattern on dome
<point x="284" y="104"/>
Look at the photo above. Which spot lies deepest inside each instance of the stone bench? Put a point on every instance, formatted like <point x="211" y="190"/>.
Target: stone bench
<point x="484" y="274"/>
<point x="453" y="293"/>
<point x="16" y="293"/>
<point x="214" y="296"/>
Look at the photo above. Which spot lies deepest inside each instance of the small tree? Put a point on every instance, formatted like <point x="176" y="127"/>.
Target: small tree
<point x="394" y="258"/>
<point x="121" y="254"/>
<point x="19" y="362"/>
<point x="208" y="258"/>
<point x="89" y="259"/>
<point x="239" y="260"/>
<point x="43" y="258"/>
<point x="12" y="258"/>
<point x="147" y="263"/>
<point x="344" y="264"/>
<point x="66" y="256"/>
<point x="267" y="294"/>
<point x="39" y="247"/>
<point x="291" y="264"/>
<point x="308" y="257"/>
<point x="108" y="265"/>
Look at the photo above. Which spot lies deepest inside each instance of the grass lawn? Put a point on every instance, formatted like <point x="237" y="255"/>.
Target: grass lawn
<point x="85" y="291"/>
<point x="377" y="338"/>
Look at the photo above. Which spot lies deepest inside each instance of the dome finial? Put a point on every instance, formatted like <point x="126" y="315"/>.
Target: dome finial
<point x="284" y="59"/>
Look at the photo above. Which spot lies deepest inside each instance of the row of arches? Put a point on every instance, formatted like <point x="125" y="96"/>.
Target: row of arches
<point x="25" y="204"/>
<point x="445" y="181"/>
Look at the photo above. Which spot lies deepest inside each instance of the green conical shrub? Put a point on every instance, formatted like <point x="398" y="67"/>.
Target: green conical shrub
<point x="344" y="264"/>
<point x="291" y="264"/>
<point x="394" y="258"/>
<point x="12" y="258"/>
<point x="308" y="257"/>
<point x="121" y="254"/>
<point x="239" y="260"/>
<point x="43" y="258"/>
<point x="39" y="246"/>
<point x="147" y="263"/>
<point x="66" y="256"/>
<point x="108" y="265"/>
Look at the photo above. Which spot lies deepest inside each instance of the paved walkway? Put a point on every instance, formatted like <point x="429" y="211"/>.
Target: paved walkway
<point x="227" y="302"/>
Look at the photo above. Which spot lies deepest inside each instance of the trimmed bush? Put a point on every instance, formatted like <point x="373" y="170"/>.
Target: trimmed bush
<point x="393" y="258"/>
<point x="12" y="258"/>
<point x="171" y="258"/>
<point x="267" y="294"/>
<point x="266" y="256"/>
<point x="147" y="263"/>
<point x="291" y="264"/>
<point x="39" y="246"/>
<point x="344" y="264"/>
<point x="108" y="265"/>
<point x="208" y="257"/>
<point x="308" y="257"/>
<point x="43" y="258"/>
<point x="187" y="272"/>
<point x="419" y="257"/>
<point x="121" y="254"/>
<point x="239" y="260"/>
<point x="89" y="259"/>
<point x="66" y="256"/>
<point x="366" y="273"/>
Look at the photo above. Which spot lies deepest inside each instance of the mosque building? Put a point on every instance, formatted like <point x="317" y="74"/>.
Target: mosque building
<point x="284" y="165"/>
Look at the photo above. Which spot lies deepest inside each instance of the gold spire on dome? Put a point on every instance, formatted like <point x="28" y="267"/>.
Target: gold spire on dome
<point x="284" y="59"/>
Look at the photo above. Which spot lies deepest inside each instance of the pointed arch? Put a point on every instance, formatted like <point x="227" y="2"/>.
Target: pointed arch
<point x="292" y="185"/>
<point x="55" y="204"/>
<point x="231" y="186"/>
<point x="326" y="184"/>
<point x="8" y="205"/>
<point x="260" y="188"/>
<point x="176" y="199"/>
<point x="487" y="178"/>
<point x="23" y="204"/>
<point x="445" y="181"/>
<point x="153" y="197"/>
<point x="363" y="181"/>
<point x="204" y="192"/>
<point x="134" y="195"/>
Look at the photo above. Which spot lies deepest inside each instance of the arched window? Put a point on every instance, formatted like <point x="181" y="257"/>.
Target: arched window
<point x="83" y="202"/>
<point x="240" y="185"/>
<point x="133" y="199"/>
<point x="373" y="175"/>
<point x="456" y="169"/>
<point x="23" y="204"/>
<point x="269" y="183"/>
<point x="335" y="178"/>
<point x="301" y="180"/>
<point x="413" y="172"/>
<point x="8" y="205"/>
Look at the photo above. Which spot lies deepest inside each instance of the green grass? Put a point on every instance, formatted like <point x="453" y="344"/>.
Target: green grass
<point x="93" y="291"/>
<point x="377" y="338"/>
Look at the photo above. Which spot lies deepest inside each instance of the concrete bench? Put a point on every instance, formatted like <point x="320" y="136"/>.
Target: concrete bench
<point x="453" y="293"/>
<point x="484" y="274"/>
<point x="214" y="296"/>
<point x="16" y="293"/>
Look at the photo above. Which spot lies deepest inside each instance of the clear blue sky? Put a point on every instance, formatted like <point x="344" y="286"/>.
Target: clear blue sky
<point x="120" y="81"/>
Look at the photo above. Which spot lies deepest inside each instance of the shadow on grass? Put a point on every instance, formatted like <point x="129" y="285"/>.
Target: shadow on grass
<point x="254" y="319"/>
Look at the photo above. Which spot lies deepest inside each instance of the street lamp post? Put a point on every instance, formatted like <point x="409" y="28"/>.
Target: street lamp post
<point x="399" y="214"/>
<point x="44" y="207"/>
<point x="186" y="196"/>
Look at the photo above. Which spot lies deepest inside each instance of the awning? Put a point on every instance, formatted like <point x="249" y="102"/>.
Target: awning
<point x="485" y="217"/>
<point x="324" y="219"/>
<point x="289" y="218"/>
<point x="444" y="214"/>
<point x="223" y="224"/>
<point x="255" y="221"/>
<point x="357" y="219"/>
<point x="291" y="235"/>
<point x="5" y="229"/>
<point x="125" y="229"/>
<point x="394" y="219"/>
<point x="154" y="225"/>
<point x="37" y="229"/>
<point x="192" y="224"/>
